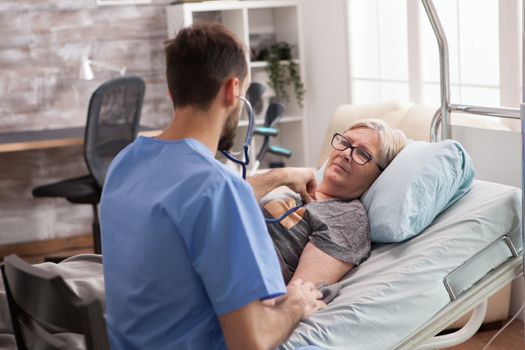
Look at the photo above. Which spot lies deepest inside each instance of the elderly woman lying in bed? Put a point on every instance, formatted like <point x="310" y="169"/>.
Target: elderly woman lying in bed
<point x="324" y="239"/>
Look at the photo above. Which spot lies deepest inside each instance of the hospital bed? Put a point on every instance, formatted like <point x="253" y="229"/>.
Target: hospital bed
<point x="406" y="293"/>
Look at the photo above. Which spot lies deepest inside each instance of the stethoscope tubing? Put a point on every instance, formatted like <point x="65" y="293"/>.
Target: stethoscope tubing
<point x="246" y="160"/>
<point x="247" y="139"/>
<point x="284" y="216"/>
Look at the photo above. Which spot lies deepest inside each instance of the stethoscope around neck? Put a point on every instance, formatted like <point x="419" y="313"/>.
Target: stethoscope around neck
<point x="247" y="139"/>
<point x="246" y="150"/>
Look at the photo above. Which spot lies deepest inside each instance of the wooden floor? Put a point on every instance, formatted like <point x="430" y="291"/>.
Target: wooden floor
<point x="510" y="339"/>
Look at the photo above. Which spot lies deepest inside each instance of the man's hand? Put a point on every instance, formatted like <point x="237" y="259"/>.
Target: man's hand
<point x="261" y="325"/>
<point x="306" y="296"/>
<point x="302" y="181"/>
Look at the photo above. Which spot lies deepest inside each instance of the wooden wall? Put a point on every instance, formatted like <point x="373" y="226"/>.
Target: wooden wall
<point x="41" y="44"/>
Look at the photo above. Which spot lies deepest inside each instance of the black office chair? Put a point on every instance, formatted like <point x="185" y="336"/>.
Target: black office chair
<point x="112" y="123"/>
<point x="46" y="314"/>
<point x="255" y="93"/>
<point x="273" y="115"/>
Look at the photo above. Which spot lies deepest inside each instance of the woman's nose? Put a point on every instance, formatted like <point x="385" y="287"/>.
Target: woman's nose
<point x="346" y="154"/>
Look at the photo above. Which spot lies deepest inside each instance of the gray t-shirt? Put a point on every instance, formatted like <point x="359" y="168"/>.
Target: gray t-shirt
<point x="337" y="227"/>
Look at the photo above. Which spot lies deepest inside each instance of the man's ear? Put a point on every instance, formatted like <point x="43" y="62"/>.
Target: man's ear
<point x="231" y="91"/>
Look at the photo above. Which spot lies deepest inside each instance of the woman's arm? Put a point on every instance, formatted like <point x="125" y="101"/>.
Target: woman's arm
<point x="259" y="325"/>
<point x="316" y="266"/>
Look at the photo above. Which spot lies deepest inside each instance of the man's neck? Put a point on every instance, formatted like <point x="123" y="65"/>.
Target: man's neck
<point x="189" y="122"/>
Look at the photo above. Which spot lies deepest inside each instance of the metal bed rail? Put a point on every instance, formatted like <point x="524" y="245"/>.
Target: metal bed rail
<point x="490" y="285"/>
<point x="500" y="112"/>
<point x="442" y="115"/>
<point x="443" y="66"/>
<point x="471" y="271"/>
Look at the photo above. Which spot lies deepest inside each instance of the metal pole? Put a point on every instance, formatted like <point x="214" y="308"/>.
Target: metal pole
<point x="522" y="116"/>
<point x="501" y="112"/>
<point x="443" y="67"/>
<point x="436" y="122"/>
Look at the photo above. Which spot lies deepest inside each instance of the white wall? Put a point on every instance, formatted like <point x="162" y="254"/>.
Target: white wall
<point x="327" y="66"/>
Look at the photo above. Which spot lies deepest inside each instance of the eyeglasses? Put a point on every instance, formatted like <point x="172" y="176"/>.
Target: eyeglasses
<point x="360" y="156"/>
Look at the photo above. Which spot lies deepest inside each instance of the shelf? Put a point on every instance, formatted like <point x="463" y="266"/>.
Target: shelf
<point x="264" y="64"/>
<point x="244" y="122"/>
<point x="258" y="24"/>
<point x="290" y="119"/>
<point x="235" y="5"/>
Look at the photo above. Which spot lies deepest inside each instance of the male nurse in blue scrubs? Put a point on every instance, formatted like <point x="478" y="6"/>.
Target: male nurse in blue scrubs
<point x="188" y="261"/>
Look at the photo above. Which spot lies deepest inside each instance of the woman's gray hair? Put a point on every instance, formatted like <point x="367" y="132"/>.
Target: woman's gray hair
<point x="391" y="141"/>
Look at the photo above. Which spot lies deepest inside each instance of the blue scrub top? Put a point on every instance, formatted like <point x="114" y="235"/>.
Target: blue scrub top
<point x="183" y="242"/>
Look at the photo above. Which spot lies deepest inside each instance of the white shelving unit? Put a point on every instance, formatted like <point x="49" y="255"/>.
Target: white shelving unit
<point x="254" y="22"/>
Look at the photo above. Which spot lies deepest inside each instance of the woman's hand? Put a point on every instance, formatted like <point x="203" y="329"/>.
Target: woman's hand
<point x="302" y="181"/>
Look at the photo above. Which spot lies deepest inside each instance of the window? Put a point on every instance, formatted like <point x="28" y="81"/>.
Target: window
<point x="379" y="52"/>
<point x="394" y="53"/>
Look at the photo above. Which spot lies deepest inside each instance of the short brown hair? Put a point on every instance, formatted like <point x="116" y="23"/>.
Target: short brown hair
<point x="199" y="60"/>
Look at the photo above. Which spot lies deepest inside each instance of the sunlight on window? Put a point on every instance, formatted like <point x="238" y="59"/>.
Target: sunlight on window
<point x="379" y="51"/>
<point x="428" y="46"/>
<point x="364" y="39"/>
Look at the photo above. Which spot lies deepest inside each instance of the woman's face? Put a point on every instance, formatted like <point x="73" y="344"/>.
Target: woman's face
<point x="343" y="177"/>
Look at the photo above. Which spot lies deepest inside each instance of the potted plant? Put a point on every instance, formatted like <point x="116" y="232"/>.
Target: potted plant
<point x="280" y="74"/>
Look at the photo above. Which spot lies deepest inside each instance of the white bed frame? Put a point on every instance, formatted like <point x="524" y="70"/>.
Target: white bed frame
<point x="476" y="296"/>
